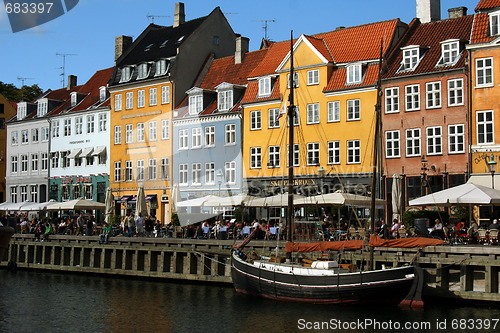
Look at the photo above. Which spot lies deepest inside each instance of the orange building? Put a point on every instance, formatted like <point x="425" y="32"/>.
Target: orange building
<point x="7" y="111"/>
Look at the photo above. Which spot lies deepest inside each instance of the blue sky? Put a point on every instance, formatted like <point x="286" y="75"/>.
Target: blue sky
<point x="88" y="31"/>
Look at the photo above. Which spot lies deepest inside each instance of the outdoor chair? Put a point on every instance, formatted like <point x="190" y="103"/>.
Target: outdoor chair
<point x="402" y="233"/>
<point x="352" y="233"/>
<point x="494" y="236"/>
<point x="361" y="233"/>
<point x="482" y="236"/>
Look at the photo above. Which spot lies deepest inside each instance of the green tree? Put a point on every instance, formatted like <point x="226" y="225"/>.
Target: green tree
<point x="25" y="93"/>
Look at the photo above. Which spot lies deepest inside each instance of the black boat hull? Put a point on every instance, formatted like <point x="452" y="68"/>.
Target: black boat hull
<point x="380" y="286"/>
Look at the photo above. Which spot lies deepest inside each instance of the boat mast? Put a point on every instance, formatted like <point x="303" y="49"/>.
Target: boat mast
<point x="291" y="115"/>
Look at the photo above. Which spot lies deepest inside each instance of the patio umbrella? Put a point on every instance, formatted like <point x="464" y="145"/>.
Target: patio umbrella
<point x="141" y="208"/>
<point x="197" y="202"/>
<point x="280" y="200"/>
<point x="77" y="204"/>
<point x="37" y="206"/>
<point x="465" y="194"/>
<point x="396" y="197"/>
<point x="110" y="205"/>
<point x="339" y="199"/>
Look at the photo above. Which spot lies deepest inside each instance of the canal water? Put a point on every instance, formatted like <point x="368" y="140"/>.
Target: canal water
<point x="53" y="302"/>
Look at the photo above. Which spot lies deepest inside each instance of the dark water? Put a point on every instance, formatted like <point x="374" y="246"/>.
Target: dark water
<point x="47" y="302"/>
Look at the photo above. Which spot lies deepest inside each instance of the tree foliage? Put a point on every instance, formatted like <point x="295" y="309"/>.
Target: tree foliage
<point x="25" y="93"/>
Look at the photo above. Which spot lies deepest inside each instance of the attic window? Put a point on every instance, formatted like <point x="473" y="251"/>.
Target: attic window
<point x="161" y="67"/>
<point x="450" y="51"/>
<point x="43" y="105"/>
<point x="215" y="40"/>
<point x="411" y="57"/>
<point x="181" y="38"/>
<point x="354" y="74"/>
<point x="74" y="98"/>
<point x="494" y="23"/>
<point x="148" y="47"/>
<point x="225" y="98"/>
<point x="102" y="94"/>
<point x="142" y="71"/>
<point x="126" y="74"/>
<point x="164" y="43"/>
<point x="196" y="104"/>
<point x="265" y="86"/>
<point x="22" y="108"/>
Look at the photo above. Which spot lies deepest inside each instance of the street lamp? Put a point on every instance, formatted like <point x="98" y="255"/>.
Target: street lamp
<point x="492" y="165"/>
<point x="321" y="174"/>
<point x="219" y="178"/>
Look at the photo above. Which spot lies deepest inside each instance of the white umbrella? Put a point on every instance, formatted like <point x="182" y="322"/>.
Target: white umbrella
<point x="110" y="205"/>
<point x="175" y="197"/>
<point x="76" y="204"/>
<point x="15" y="206"/>
<point x="37" y="206"/>
<point x="280" y="200"/>
<point x="339" y="199"/>
<point x="197" y="202"/>
<point x="460" y="195"/>
<point x="141" y="208"/>
<point x="396" y="197"/>
<point x="234" y="200"/>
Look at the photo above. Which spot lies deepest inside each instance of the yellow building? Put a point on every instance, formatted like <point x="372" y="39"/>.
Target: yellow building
<point x="335" y="95"/>
<point x="152" y="75"/>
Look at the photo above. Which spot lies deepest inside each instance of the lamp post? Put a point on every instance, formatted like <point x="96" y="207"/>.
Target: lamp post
<point x="219" y="178"/>
<point x="492" y="165"/>
<point x="321" y="174"/>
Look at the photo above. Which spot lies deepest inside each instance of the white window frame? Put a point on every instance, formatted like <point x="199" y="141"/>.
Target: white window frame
<point x="183" y="174"/>
<point x="129" y="171"/>
<point x="153" y="96"/>
<point x="392" y="144"/>
<point x="411" y="57"/>
<point x="79" y="125"/>
<point x="255" y="157"/>
<point x="353" y="109"/>
<point x="118" y="102"/>
<point x="333" y="152"/>
<point x="225" y="99"/>
<point x="313" y="154"/>
<point x="485" y="127"/>
<point x="392" y="100"/>
<point x="313" y="113"/>
<point x="455" y="92"/>
<point x="165" y="129"/>
<point x="195" y="104"/>
<point x="413" y="142"/>
<point x="210" y="173"/>
<point x="209" y="136"/>
<point x="196" y="138"/>
<point x="143" y="71"/>
<point x="103" y="122"/>
<point x="118" y="135"/>
<point x="255" y="120"/>
<point x="165" y="168"/>
<point x="433" y="95"/>
<point x="273" y="118"/>
<point x="434" y="140"/>
<point x="152" y="131"/>
<point x="296" y="155"/>
<point x="140" y="170"/>
<point x="129" y="133"/>
<point x="265" y="86"/>
<point x="334" y="112"/>
<point x="484" y="72"/>
<point x="117" y="171"/>
<point x="129" y="100"/>
<point x="141" y="136"/>
<point x="354" y="73"/>
<point x="456" y="139"/>
<point x="450" y="52"/>
<point x="183" y="139"/>
<point x="165" y="94"/>
<point x="312" y="77"/>
<point x="90" y="124"/>
<point x="141" y="96"/>
<point x="273" y="160"/>
<point x="196" y="174"/>
<point x="353" y="151"/>
<point x="412" y="97"/>
<point x="152" y="169"/>
<point x="494" y="23"/>
<point x="230" y="134"/>
<point x="230" y="172"/>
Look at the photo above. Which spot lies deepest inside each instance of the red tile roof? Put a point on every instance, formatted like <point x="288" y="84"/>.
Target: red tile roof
<point x="338" y="78"/>
<point x="429" y="36"/>
<point x="91" y="89"/>
<point x="319" y="44"/>
<point x="487" y="4"/>
<point x="481" y="29"/>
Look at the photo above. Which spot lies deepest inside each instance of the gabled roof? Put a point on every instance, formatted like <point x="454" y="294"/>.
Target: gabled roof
<point x="487" y="4"/>
<point x="338" y="78"/>
<point x="429" y="36"/>
<point x="92" y="90"/>
<point x="481" y="29"/>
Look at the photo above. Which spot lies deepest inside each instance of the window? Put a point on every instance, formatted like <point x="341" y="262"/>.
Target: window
<point x="34" y="193"/>
<point x="296" y="117"/>
<point x="273" y="118"/>
<point x="412" y="96"/>
<point x="89" y="160"/>
<point x="14" y="164"/>
<point x="484" y="72"/>
<point x="161" y="67"/>
<point x="354" y="74"/>
<point x="230" y="134"/>
<point x="353" y="152"/>
<point x="24" y="163"/>
<point x="196" y="137"/>
<point x="42" y="107"/>
<point x="210" y="173"/>
<point x="494" y="20"/>
<point x="24" y="193"/>
<point x="334" y="152"/>
<point x="140" y="169"/>
<point x="455" y="92"/>
<point x="152" y="169"/>
<point x="118" y="102"/>
<point x="196" y="173"/>
<point x="67" y="127"/>
<point x="392" y="144"/>
<point x="433" y="95"/>
<point x="183" y="139"/>
<point x="295" y="80"/>
<point x="128" y="133"/>
<point x="413" y="142"/>
<point x="255" y="120"/>
<point x="274" y="157"/>
<point x="153" y="98"/>
<point x="76" y="191"/>
<point x="456" y="139"/>
<point x="434" y="140"/>
<point x="353" y="110"/>
<point x="183" y="174"/>
<point x="22" y="110"/>
<point x="265" y="86"/>
<point x="450" y="50"/>
<point x="215" y="40"/>
<point x="210" y="136"/>
<point x="165" y="129"/>
<point x="152" y="131"/>
<point x="392" y="100"/>
<point x="165" y="94"/>
<point x="13" y="194"/>
<point x="255" y="157"/>
<point x="55" y="128"/>
<point x="34" y="135"/>
<point x="296" y="155"/>
<point x="45" y="161"/>
<point x="90" y="124"/>
<point x="126" y="74"/>
<point x="411" y="57"/>
<point x="165" y="169"/>
<point x="34" y="163"/>
<point x="64" y="159"/>
<point x="118" y="135"/>
<point x="103" y="120"/>
<point x="313" y="153"/>
<point x="45" y="134"/>
<point x="140" y="98"/>
<point x="195" y="104"/>
<point x="129" y="100"/>
<point x="14" y="138"/>
<point x="485" y="127"/>
<point x="78" y="125"/>
<point x="225" y="99"/>
<point x="230" y="172"/>
<point x="334" y="111"/>
<point x="142" y="71"/>
<point x="128" y="171"/>
<point x="313" y="113"/>
<point x="24" y="137"/>
<point x="103" y="94"/>
<point x="87" y="191"/>
<point x="313" y="77"/>
<point x="140" y="132"/>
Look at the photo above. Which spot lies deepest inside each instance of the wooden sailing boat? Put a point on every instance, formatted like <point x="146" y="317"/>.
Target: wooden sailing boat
<point x="320" y="281"/>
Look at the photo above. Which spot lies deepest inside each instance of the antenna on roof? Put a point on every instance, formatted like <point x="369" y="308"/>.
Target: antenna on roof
<point x="22" y="79"/>
<point x="265" y="27"/>
<point x="152" y="17"/>
<point x="63" y="68"/>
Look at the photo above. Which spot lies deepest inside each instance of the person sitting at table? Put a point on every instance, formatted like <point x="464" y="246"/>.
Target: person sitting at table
<point x="104" y="235"/>
<point x="494" y="225"/>
<point x="437" y="231"/>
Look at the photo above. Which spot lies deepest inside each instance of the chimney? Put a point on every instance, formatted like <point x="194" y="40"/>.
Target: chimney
<point x="122" y="43"/>
<point x="241" y="49"/>
<point x="428" y="10"/>
<point x="179" y="15"/>
<point x="71" y="81"/>
<point x="457" y="12"/>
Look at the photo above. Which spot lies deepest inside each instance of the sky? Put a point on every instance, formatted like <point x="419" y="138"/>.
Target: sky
<point x="86" y="33"/>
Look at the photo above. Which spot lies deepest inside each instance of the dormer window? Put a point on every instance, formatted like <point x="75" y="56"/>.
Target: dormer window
<point x="411" y="57"/>
<point x="22" y="109"/>
<point x="148" y="47"/>
<point x="161" y="67"/>
<point x="494" y="23"/>
<point x="74" y="98"/>
<point x="103" y="94"/>
<point x="126" y="74"/>
<point x="225" y="97"/>
<point x="196" y="103"/>
<point x="142" y="71"/>
<point x="354" y="74"/>
<point x="164" y="43"/>
<point x="265" y="86"/>
<point x="450" y="52"/>
<point x="43" y="105"/>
